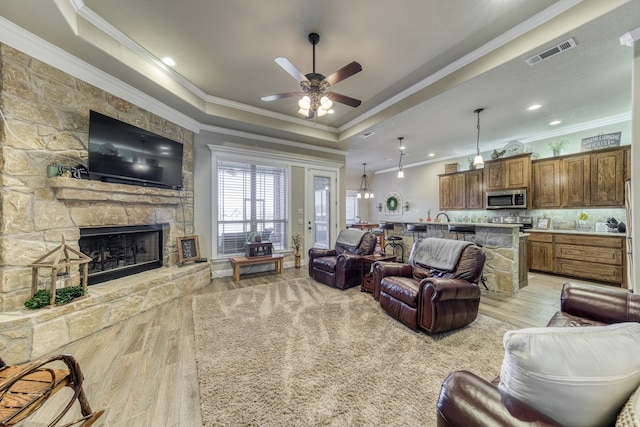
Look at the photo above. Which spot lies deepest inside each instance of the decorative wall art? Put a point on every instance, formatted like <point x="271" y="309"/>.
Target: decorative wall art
<point x="393" y="204"/>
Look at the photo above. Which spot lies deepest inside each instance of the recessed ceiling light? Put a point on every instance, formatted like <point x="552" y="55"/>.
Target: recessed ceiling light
<point x="555" y="122"/>
<point x="169" y="61"/>
<point x="331" y="111"/>
<point x="534" y="107"/>
<point x="432" y="154"/>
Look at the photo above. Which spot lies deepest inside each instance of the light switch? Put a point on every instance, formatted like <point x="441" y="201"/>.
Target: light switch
<point x="300" y="211"/>
<point x="300" y="221"/>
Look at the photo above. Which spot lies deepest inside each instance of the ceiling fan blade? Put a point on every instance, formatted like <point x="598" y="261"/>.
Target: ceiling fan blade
<point x="279" y="96"/>
<point x="343" y="99"/>
<point x="344" y="72"/>
<point x="290" y="68"/>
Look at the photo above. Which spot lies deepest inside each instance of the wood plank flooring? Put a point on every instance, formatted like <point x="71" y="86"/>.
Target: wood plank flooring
<point x="143" y="372"/>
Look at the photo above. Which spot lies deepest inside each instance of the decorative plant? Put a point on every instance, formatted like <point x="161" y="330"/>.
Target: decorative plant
<point x="558" y="144"/>
<point x="63" y="296"/>
<point x="297" y="241"/>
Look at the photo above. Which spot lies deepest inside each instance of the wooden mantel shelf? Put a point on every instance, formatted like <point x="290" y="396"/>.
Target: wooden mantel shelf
<point x="84" y="190"/>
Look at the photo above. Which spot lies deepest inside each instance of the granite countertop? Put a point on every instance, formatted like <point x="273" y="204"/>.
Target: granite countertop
<point x="478" y="224"/>
<point x="587" y="233"/>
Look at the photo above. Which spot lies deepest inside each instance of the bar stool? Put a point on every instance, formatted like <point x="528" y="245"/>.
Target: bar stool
<point x="394" y="241"/>
<point x="379" y="238"/>
<point x="464" y="230"/>
<point x="416" y="228"/>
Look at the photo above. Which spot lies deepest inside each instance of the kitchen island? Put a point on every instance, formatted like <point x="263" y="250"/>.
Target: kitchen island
<point x="504" y="245"/>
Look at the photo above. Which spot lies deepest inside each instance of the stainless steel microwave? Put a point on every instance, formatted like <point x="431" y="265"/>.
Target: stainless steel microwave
<point x="507" y="199"/>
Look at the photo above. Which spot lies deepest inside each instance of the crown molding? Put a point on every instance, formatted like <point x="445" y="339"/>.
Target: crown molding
<point x="40" y="49"/>
<point x="124" y="41"/>
<point x="629" y="38"/>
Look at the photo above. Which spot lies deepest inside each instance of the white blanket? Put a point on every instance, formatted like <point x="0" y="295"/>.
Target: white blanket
<point x="442" y="254"/>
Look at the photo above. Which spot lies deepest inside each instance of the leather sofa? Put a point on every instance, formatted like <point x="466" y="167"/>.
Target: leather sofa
<point x="437" y="290"/>
<point x="341" y="267"/>
<point x="468" y="400"/>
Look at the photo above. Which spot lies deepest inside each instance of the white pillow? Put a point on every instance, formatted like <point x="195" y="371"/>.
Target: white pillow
<point x="579" y="376"/>
<point x="630" y="414"/>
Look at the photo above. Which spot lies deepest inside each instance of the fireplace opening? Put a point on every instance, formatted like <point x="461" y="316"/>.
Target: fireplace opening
<point x="121" y="251"/>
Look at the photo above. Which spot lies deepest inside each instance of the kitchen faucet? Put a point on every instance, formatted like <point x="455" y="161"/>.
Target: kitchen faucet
<point x="445" y="215"/>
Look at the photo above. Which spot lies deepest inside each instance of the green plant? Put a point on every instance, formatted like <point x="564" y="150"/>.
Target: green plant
<point x="63" y="296"/>
<point x="558" y="144"/>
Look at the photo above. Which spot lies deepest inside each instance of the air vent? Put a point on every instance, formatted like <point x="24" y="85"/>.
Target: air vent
<point x="366" y="134"/>
<point x="551" y="52"/>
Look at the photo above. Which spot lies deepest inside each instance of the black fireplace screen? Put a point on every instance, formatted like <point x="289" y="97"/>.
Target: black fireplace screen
<point x="121" y="251"/>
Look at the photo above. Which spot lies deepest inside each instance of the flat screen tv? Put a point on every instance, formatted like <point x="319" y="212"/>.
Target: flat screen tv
<point x="122" y="153"/>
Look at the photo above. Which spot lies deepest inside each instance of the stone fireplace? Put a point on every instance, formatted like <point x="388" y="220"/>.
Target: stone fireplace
<point x="46" y="115"/>
<point x="121" y="251"/>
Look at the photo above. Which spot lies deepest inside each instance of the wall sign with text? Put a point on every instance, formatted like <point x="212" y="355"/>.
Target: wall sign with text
<point x="601" y="141"/>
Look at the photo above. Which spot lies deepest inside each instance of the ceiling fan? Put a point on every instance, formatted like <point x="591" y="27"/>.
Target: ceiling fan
<point x="315" y="97"/>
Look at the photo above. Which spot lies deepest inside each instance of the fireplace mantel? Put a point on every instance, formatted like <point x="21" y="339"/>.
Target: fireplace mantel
<point x="84" y="190"/>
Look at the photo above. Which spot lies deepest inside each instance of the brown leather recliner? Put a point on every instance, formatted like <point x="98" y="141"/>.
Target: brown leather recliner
<point x="468" y="400"/>
<point x="341" y="267"/>
<point x="437" y="290"/>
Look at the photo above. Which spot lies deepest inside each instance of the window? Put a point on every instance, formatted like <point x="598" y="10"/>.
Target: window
<point x="351" y="207"/>
<point x="253" y="199"/>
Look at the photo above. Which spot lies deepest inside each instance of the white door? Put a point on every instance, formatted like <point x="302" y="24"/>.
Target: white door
<point x="321" y="208"/>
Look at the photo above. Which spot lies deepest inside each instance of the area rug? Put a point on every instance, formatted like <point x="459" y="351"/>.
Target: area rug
<point x="299" y="353"/>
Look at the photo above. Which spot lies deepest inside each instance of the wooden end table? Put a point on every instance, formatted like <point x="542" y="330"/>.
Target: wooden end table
<point x="237" y="262"/>
<point x="366" y="285"/>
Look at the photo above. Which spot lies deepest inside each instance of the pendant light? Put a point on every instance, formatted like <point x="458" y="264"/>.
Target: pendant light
<point x="401" y="149"/>
<point x="364" y="185"/>
<point x="478" y="160"/>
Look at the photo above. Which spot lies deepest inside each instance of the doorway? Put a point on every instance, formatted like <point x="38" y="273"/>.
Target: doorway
<point x="321" y="210"/>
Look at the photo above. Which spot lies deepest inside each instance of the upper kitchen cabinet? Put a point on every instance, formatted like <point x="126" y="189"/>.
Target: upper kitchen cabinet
<point x="461" y="190"/>
<point x="474" y="189"/>
<point x="581" y="180"/>
<point x="607" y="178"/>
<point x="509" y="173"/>
<point x="575" y="181"/>
<point x="546" y="184"/>
<point x="452" y="191"/>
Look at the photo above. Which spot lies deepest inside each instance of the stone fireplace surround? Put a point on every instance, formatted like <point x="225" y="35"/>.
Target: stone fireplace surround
<point x="28" y="334"/>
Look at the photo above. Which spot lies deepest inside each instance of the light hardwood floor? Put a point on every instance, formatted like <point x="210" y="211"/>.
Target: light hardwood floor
<point x="143" y="372"/>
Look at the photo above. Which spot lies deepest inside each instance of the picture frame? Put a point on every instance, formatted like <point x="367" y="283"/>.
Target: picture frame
<point x="188" y="249"/>
<point x="543" y="223"/>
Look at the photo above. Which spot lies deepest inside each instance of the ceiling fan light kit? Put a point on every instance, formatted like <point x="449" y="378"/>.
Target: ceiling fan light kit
<point x="316" y="100"/>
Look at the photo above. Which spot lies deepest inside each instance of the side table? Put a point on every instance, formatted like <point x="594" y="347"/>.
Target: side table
<point x="366" y="284"/>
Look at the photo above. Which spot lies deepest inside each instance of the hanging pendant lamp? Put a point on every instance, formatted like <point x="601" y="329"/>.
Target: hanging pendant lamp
<point x="364" y="190"/>
<point x="401" y="149"/>
<point x="478" y="160"/>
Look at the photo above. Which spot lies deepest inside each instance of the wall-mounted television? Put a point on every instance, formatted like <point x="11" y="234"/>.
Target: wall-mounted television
<point x="123" y="153"/>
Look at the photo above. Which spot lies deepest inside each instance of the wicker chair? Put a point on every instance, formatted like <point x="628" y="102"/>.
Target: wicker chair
<point x="25" y="388"/>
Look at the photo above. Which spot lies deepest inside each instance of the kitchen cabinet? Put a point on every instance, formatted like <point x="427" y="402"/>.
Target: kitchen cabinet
<point x="591" y="257"/>
<point x="584" y="256"/>
<point x="512" y="172"/>
<point x="461" y="190"/>
<point x="452" y="191"/>
<point x="581" y="180"/>
<point x="607" y="178"/>
<point x="576" y="177"/>
<point x="540" y="252"/>
<point x="546" y="184"/>
<point x="474" y="189"/>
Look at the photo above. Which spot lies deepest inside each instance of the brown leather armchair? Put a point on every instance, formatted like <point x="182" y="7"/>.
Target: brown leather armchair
<point x="437" y="290"/>
<point x="468" y="400"/>
<point x="341" y="267"/>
